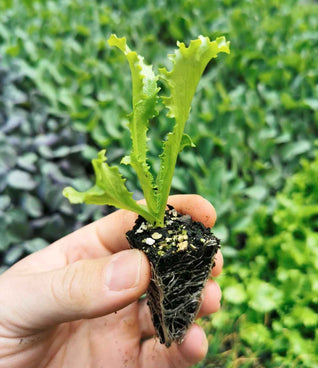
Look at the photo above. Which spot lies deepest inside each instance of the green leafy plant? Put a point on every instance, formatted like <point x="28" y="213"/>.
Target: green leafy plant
<point x="188" y="66"/>
<point x="172" y="242"/>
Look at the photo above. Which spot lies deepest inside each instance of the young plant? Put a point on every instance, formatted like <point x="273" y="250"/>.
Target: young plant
<point x="188" y="66"/>
<point x="180" y="251"/>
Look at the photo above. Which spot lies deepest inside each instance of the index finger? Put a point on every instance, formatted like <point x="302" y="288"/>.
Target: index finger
<point x="114" y="239"/>
<point x="108" y="234"/>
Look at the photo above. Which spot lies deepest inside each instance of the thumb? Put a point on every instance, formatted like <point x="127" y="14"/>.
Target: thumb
<point x="84" y="289"/>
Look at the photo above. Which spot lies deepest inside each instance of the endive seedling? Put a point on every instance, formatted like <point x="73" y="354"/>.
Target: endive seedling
<point x="181" y="81"/>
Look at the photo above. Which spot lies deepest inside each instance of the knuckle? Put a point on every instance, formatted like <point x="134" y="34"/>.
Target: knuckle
<point x="66" y="288"/>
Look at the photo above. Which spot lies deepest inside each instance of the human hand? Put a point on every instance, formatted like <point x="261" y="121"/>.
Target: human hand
<point x="76" y="303"/>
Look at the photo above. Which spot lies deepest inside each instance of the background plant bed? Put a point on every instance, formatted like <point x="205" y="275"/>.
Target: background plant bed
<point x="181" y="255"/>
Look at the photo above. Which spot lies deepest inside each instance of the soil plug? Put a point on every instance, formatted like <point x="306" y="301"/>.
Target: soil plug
<point x="181" y="255"/>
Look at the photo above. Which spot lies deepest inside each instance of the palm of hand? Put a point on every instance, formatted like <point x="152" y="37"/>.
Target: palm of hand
<point x="109" y="341"/>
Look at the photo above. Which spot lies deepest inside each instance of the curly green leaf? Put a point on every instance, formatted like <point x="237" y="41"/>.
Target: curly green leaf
<point x="109" y="189"/>
<point x="144" y="95"/>
<point x="188" y="66"/>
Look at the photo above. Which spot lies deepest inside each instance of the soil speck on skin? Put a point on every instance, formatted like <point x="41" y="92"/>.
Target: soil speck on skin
<point x="127" y="322"/>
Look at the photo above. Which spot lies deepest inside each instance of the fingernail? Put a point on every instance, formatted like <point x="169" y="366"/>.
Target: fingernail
<point x="123" y="271"/>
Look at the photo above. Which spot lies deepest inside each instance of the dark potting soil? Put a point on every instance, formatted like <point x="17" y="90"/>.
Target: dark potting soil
<point x="181" y="255"/>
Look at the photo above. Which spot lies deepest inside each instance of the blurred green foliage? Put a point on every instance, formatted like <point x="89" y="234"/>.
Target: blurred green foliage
<point x="255" y="112"/>
<point x="254" y="116"/>
<point x="270" y="290"/>
<point x="39" y="155"/>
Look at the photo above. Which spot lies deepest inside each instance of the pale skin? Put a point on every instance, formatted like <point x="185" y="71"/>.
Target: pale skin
<point x="77" y="302"/>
